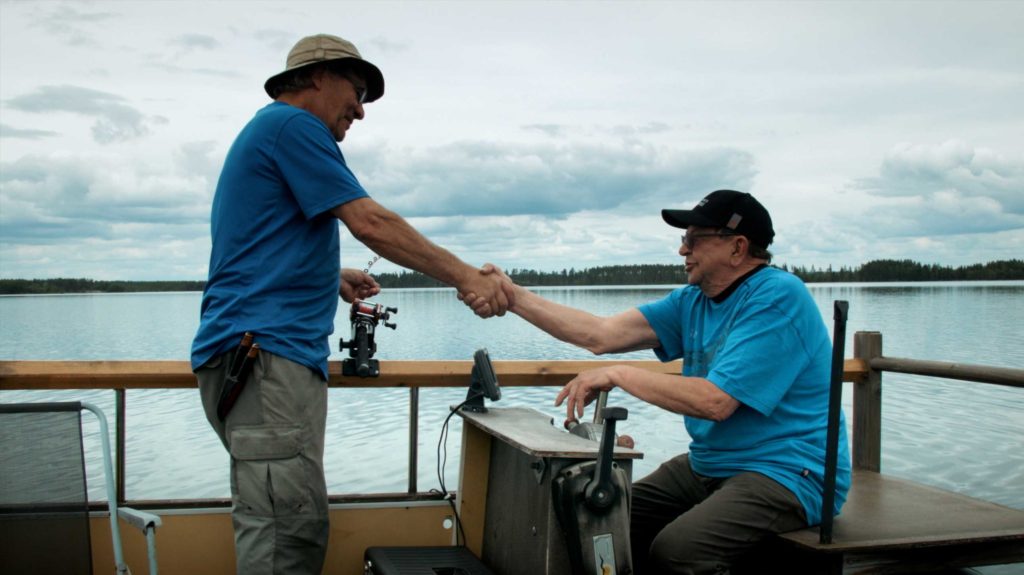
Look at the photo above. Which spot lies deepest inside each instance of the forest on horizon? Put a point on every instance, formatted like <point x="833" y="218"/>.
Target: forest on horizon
<point x="638" y="274"/>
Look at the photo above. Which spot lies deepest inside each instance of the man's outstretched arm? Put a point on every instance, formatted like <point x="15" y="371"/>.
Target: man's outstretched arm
<point x="627" y="331"/>
<point x="391" y="237"/>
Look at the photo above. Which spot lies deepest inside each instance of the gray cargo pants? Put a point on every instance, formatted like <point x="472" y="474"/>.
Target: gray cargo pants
<point x="685" y="523"/>
<point x="275" y="435"/>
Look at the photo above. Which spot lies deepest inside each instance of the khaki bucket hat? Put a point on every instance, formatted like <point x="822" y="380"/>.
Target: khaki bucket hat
<point x="326" y="48"/>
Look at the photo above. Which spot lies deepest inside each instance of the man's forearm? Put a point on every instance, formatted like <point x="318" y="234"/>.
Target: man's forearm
<point x="400" y="243"/>
<point x="392" y="238"/>
<point x="568" y="324"/>
<point x="693" y="396"/>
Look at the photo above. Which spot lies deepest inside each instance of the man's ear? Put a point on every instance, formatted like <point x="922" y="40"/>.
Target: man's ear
<point x="318" y="76"/>
<point x="741" y="245"/>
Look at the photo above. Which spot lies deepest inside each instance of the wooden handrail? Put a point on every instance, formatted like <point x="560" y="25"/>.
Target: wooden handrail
<point x="963" y="371"/>
<point x="864" y="370"/>
<point x="455" y="373"/>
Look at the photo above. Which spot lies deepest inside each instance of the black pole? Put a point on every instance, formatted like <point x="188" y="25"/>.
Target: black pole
<point x="835" y="395"/>
<point x="119" y="438"/>
<point x="414" y="436"/>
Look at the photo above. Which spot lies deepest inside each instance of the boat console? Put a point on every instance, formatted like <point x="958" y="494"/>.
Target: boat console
<point x="551" y="502"/>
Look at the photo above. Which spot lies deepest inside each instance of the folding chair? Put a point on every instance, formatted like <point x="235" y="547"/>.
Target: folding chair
<point x="44" y="507"/>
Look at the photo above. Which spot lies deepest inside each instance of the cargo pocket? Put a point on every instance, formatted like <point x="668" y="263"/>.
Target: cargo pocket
<point x="273" y="478"/>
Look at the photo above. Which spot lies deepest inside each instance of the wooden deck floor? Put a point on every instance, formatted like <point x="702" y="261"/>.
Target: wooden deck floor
<point x="887" y="522"/>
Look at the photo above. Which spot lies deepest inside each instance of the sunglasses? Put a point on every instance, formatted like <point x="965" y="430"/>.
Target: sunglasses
<point x="690" y="240"/>
<point x="361" y="92"/>
<point x="360" y="87"/>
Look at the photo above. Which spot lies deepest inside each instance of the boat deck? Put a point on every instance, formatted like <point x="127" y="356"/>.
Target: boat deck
<point x="887" y="522"/>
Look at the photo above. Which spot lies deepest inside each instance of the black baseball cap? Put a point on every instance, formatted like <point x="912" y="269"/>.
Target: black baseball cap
<point x="729" y="209"/>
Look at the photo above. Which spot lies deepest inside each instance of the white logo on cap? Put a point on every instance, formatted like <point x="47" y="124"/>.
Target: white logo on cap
<point x="734" y="221"/>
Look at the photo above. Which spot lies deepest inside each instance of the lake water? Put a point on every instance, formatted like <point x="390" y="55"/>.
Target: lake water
<point x="961" y="436"/>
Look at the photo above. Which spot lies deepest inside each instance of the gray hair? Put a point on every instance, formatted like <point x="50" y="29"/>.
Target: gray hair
<point x="298" y="80"/>
<point x="760" y="253"/>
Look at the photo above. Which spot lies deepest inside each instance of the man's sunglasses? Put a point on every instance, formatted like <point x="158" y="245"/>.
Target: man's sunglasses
<point x="360" y="87"/>
<point x="690" y="240"/>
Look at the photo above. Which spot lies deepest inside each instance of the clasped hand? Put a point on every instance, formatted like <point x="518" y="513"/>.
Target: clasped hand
<point x="489" y="293"/>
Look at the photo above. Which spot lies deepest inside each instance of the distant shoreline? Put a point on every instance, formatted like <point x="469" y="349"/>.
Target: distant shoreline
<point x="640" y="274"/>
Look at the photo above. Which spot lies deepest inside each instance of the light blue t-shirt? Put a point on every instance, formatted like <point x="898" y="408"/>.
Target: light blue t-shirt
<point x="276" y="254"/>
<point x="765" y="345"/>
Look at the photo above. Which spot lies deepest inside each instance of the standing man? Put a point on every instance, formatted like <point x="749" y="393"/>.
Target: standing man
<point x="275" y="273"/>
<point x="753" y="393"/>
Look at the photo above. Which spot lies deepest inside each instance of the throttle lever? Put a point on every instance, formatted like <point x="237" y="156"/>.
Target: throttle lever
<point x="600" y="492"/>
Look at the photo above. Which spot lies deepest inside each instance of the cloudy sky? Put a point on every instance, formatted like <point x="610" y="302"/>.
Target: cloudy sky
<point x="537" y="135"/>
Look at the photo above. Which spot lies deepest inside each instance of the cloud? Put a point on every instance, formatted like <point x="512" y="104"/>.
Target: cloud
<point x="488" y="178"/>
<point x="57" y="199"/>
<point x="587" y="239"/>
<point x="116" y="121"/>
<point x="382" y="45"/>
<point x="617" y="131"/>
<point x="26" y="134"/>
<point x="951" y="187"/>
<point x="66" y="21"/>
<point x="277" y="40"/>
<point x="224" y="73"/>
<point x="196" y="41"/>
<point x="189" y="44"/>
<point x="550" y="130"/>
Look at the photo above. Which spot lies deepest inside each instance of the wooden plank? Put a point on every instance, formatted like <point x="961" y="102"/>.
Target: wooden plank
<point x="883" y="513"/>
<point x="474" y="474"/>
<point x="866" y="435"/>
<point x="178" y="374"/>
<point x="939" y="560"/>
<point x="533" y="433"/>
<point x="95" y="374"/>
<point x="202" y="541"/>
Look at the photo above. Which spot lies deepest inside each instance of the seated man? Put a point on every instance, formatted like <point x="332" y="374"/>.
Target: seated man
<point x="753" y="393"/>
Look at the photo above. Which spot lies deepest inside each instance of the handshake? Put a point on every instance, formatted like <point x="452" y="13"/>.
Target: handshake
<point x="489" y="292"/>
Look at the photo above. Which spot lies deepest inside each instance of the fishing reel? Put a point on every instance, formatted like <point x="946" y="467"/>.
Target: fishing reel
<point x="364" y="316"/>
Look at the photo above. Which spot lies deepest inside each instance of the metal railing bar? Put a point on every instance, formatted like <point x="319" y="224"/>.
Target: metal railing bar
<point x="967" y="372"/>
<point x="120" y="434"/>
<point x="414" y="427"/>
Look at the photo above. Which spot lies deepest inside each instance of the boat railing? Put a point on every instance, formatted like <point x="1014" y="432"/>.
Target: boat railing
<point x="863" y="371"/>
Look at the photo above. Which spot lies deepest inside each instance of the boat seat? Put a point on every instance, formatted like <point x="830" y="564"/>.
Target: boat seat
<point x="44" y="503"/>
<point x="887" y="522"/>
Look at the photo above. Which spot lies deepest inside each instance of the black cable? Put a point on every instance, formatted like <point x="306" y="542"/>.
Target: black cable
<point x="442" y="460"/>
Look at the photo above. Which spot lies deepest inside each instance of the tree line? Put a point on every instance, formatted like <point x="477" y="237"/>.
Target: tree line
<point x="911" y="271"/>
<point x="78" y="285"/>
<point x="639" y="274"/>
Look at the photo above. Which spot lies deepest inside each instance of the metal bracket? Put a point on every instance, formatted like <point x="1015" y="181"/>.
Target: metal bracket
<point x="539" y="465"/>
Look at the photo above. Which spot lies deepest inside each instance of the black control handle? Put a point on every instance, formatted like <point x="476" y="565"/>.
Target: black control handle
<point x="387" y="315"/>
<point x="362" y="346"/>
<point x="600" y="491"/>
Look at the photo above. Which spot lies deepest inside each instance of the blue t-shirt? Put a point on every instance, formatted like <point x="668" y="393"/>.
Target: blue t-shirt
<point x="767" y="346"/>
<point x="276" y="255"/>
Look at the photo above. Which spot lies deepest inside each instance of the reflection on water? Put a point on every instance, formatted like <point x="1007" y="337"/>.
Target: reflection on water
<point x="961" y="436"/>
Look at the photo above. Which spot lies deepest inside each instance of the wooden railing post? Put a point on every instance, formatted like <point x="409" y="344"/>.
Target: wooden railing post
<point x="867" y="405"/>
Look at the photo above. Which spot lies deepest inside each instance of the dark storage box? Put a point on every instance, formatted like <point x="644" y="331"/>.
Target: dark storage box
<point x="423" y="561"/>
